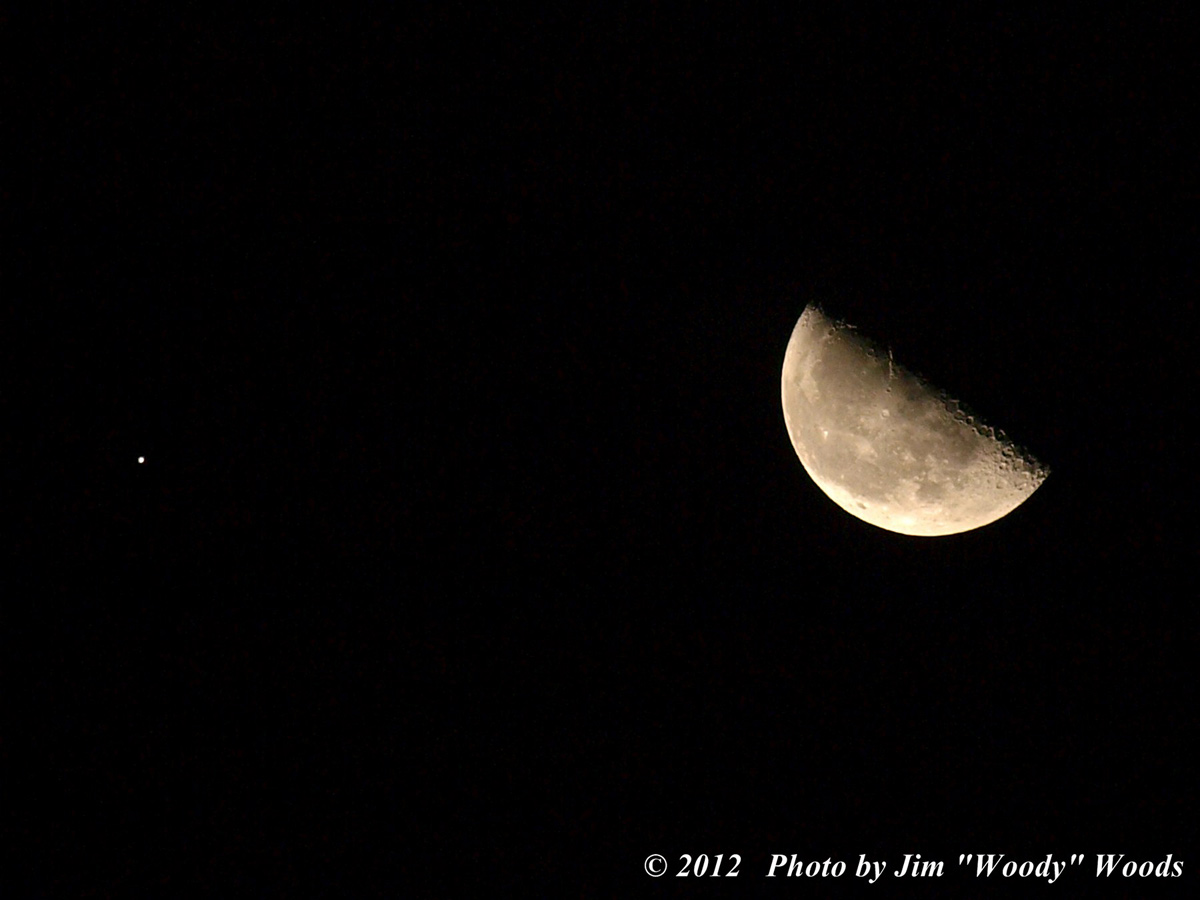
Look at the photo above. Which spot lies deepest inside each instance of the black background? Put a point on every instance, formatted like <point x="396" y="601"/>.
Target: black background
<point x="470" y="543"/>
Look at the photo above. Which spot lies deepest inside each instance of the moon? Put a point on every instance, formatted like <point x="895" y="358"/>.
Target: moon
<point x="888" y="447"/>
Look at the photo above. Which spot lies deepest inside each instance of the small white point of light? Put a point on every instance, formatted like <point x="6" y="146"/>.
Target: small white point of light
<point x="141" y="459"/>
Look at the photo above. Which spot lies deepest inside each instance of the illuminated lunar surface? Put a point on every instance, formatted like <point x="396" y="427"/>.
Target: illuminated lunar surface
<point x="889" y="448"/>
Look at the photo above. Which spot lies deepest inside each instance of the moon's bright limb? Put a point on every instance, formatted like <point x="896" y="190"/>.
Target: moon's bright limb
<point x="888" y="447"/>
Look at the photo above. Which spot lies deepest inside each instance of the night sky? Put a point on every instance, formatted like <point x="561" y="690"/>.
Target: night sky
<point x="470" y="543"/>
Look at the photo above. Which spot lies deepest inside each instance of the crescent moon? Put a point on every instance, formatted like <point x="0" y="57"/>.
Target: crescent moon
<point x="890" y="448"/>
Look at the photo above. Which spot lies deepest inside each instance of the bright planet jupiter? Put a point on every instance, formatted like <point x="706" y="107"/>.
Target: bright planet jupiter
<point x="888" y="447"/>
